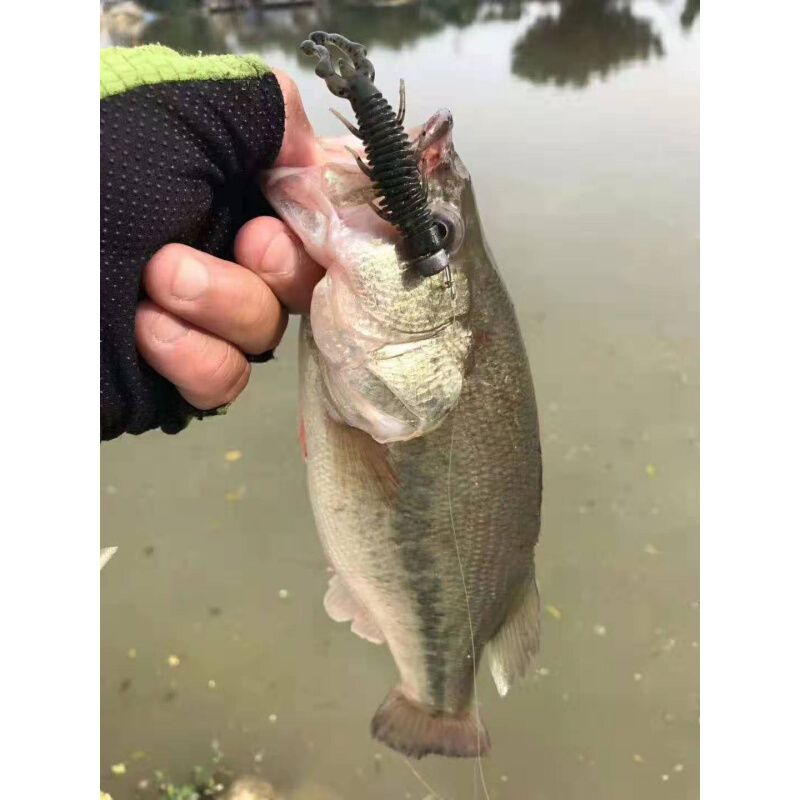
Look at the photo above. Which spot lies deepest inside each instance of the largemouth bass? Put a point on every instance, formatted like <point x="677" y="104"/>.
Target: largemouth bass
<point x="419" y="428"/>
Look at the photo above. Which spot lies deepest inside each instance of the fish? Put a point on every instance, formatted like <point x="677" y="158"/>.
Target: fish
<point x="419" y="426"/>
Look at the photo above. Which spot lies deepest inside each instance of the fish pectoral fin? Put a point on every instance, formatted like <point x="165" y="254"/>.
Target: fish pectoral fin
<point x="512" y="649"/>
<point x="343" y="607"/>
<point x="371" y="459"/>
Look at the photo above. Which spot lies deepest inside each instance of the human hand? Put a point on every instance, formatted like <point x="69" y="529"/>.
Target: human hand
<point x="205" y="315"/>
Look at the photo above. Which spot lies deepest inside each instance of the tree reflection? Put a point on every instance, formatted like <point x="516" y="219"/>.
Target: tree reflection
<point x="392" y="27"/>
<point x="571" y="44"/>
<point x="586" y="39"/>
<point x="690" y="13"/>
<point x="187" y="31"/>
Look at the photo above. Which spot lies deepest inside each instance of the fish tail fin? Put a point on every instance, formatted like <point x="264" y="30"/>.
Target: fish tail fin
<point x="512" y="649"/>
<point x="416" y="730"/>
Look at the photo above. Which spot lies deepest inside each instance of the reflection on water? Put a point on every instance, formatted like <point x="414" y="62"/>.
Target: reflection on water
<point x="691" y="12"/>
<point x="585" y="39"/>
<point x="579" y="124"/>
<point x="571" y="42"/>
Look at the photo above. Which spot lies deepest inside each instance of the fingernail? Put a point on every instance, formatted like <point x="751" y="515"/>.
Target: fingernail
<point x="167" y="328"/>
<point x="191" y="279"/>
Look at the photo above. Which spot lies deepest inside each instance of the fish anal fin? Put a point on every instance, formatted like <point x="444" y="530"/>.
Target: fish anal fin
<point x="343" y="607"/>
<point x="512" y="649"/>
<point x="415" y="730"/>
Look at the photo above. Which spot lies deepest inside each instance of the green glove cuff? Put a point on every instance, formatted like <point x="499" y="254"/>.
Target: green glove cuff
<point x="122" y="68"/>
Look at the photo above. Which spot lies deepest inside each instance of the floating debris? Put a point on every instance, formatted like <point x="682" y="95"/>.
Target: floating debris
<point x="235" y="497"/>
<point x="212" y="684"/>
<point x="143" y="784"/>
<point x="273" y="717"/>
<point x="664" y="648"/>
<point x="105" y="555"/>
<point x="283" y="594"/>
<point x="665" y="777"/>
<point x="678" y="768"/>
<point x="600" y="630"/>
<point x="233" y="455"/>
<point x="554" y="612"/>
<point x="132" y="652"/>
<point x="149" y="550"/>
<point x="637" y="676"/>
<point x="695" y="645"/>
<point x="216" y="751"/>
<point x="543" y="671"/>
<point x="249" y="788"/>
<point x="638" y="759"/>
<point x="650" y="470"/>
<point x="111" y="489"/>
<point x="651" y="550"/>
<point x="258" y="757"/>
<point x="105" y="796"/>
<point x="173" y="661"/>
<point x="118" y="769"/>
<point x="504" y="779"/>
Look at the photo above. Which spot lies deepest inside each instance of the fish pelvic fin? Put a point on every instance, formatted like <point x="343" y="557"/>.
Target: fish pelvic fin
<point x="343" y="607"/>
<point x="511" y="651"/>
<point x="416" y="730"/>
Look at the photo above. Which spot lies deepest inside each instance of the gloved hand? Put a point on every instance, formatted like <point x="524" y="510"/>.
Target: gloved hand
<point x="182" y="142"/>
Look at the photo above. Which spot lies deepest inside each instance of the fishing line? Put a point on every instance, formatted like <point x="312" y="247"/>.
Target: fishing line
<point x="463" y="578"/>
<point x="434" y="793"/>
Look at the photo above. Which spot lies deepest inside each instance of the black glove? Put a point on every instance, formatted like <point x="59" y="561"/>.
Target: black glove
<point x="182" y="140"/>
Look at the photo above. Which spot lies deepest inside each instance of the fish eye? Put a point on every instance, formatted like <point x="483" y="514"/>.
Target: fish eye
<point x="449" y="227"/>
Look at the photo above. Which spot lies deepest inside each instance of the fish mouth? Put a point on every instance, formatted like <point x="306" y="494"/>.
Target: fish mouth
<point x="434" y="143"/>
<point x="439" y="126"/>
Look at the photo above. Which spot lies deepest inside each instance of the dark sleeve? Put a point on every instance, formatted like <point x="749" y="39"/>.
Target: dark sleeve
<point x="178" y="163"/>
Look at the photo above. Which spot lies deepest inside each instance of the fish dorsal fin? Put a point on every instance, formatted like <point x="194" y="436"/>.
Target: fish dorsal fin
<point x="512" y="649"/>
<point x="343" y="607"/>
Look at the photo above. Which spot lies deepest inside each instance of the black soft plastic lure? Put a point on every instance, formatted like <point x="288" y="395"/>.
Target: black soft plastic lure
<point x="393" y="160"/>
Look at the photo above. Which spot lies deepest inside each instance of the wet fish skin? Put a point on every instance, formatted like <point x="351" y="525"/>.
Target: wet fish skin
<point x="409" y="524"/>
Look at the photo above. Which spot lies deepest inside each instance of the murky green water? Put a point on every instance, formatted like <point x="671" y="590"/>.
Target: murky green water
<point x="580" y="124"/>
